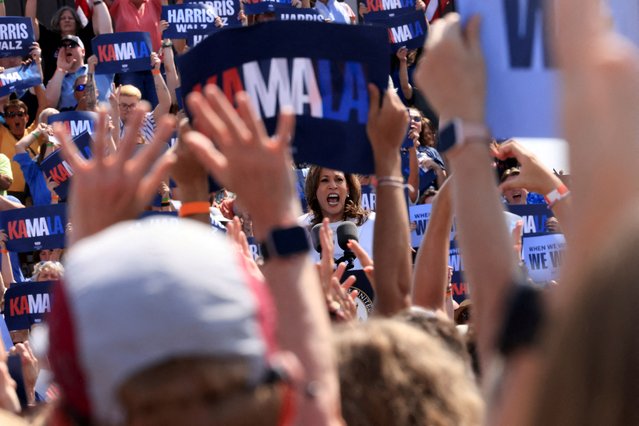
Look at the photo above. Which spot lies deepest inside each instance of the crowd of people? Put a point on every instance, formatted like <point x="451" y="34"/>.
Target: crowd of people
<point x="278" y="297"/>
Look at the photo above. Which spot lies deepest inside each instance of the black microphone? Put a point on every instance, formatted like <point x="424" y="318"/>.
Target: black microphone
<point x="347" y="231"/>
<point x="315" y="238"/>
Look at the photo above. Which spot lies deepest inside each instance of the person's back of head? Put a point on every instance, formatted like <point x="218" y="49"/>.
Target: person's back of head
<point x="391" y="373"/>
<point x="155" y="311"/>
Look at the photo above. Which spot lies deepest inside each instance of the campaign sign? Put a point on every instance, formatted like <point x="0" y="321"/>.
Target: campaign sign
<point x="458" y="282"/>
<point x="60" y="171"/>
<point x="19" y="79"/>
<point x="16" y="36"/>
<point x="255" y="248"/>
<point x="543" y="256"/>
<point x="254" y="7"/>
<point x="75" y="122"/>
<point x="407" y="29"/>
<point x="6" y="337"/>
<point x="122" y="52"/>
<point x="291" y="13"/>
<point x="325" y="87"/>
<point x="419" y="216"/>
<point x="195" y="39"/>
<point x="385" y="7"/>
<point x="35" y="228"/>
<point x="227" y="10"/>
<point x="369" y="198"/>
<point x="534" y="217"/>
<point x="187" y="19"/>
<point x="522" y="80"/>
<point x="26" y="304"/>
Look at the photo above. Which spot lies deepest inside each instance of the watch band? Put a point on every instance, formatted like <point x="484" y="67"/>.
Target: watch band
<point x="458" y="132"/>
<point x="285" y="242"/>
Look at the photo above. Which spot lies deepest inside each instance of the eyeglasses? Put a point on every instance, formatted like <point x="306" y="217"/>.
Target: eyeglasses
<point x="70" y="45"/>
<point x="15" y="114"/>
<point x="128" y="106"/>
<point x="80" y="87"/>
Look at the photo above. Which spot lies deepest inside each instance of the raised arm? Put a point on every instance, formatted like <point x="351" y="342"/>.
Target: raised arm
<point x="404" y="83"/>
<point x="452" y="76"/>
<point x="31" y="11"/>
<point x="41" y="94"/>
<point x="172" y="77"/>
<point x="164" y="97"/>
<point x="387" y="125"/>
<point x="92" y="94"/>
<point x="256" y="168"/>
<point x="431" y="265"/>
<point x="101" y="18"/>
<point x="54" y="87"/>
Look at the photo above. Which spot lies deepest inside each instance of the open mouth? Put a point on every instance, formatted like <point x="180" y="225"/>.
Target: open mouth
<point x="332" y="200"/>
<point x="517" y="196"/>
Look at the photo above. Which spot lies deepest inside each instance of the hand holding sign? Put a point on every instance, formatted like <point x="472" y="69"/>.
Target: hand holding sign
<point x="245" y="159"/>
<point x="109" y="189"/>
<point x="451" y="72"/>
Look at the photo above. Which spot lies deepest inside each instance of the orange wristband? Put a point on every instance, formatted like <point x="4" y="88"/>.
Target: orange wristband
<point x="194" y="207"/>
<point x="155" y="72"/>
<point x="4" y="251"/>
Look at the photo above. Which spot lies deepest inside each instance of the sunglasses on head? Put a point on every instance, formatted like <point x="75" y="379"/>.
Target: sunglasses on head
<point x="14" y="114"/>
<point x="69" y="45"/>
<point x="80" y="87"/>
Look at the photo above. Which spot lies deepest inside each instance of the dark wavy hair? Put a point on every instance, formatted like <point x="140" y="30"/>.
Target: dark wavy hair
<point x="353" y="205"/>
<point x="55" y="20"/>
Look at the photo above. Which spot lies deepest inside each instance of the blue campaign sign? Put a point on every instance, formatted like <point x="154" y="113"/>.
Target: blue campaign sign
<point x="75" y="122"/>
<point x="35" y="228"/>
<point x="290" y="13"/>
<point x="407" y="29"/>
<point x="326" y="87"/>
<point x="227" y="10"/>
<point x="19" y="79"/>
<point x="122" y="52"/>
<point x="4" y="330"/>
<point x="254" y="246"/>
<point x="59" y="171"/>
<point x="522" y="81"/>
<point x="27" y="303"/>
<point x="16" y="36"/>
<point x="254" y="7"/>
<point x="385" y="7"/>
<point x="533" y="216"/>
<point x="188" y="19"/>
<point x="369" y="198"/>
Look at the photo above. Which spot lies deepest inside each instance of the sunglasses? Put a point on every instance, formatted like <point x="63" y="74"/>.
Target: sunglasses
<point x="416" y="118"/>
<point x="80" y="87"/>
<point x="14" y="114"/>
<point x="69" y="45"/>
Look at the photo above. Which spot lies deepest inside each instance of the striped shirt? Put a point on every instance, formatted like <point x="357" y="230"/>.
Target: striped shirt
<point x="147" y="129"/>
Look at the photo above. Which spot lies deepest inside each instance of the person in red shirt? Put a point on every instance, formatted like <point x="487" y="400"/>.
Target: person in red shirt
<point x="145" y="16"/>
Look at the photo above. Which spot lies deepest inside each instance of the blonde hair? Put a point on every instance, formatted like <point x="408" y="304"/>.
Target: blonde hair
<point x="47" y="265"/>
<point x="392" y="373"/>
<point x="200" y="390"/>
<point x="130" y="90"/>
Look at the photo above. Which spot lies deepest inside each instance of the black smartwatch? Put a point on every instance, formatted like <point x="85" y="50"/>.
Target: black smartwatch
<point x="458" y="132"/>
<point x="285" y="242"/>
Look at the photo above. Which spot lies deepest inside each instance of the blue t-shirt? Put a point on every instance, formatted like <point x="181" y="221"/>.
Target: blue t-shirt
<point x="34" y="177"/>
<point x="67" y="100"/>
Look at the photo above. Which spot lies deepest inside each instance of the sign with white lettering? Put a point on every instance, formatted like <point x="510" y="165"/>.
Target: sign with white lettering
<point x="19" y="79"/>
<point x="59" y="171"/>
<point x="407" y="29"/>
<point x="326" y="87"/>
<point x="188" y="19"/>
<point x="227" y="10"/>
<point x="27" y="303"/>
<point x="16" y="36"/>
<point x="35" y="228"/>
<point x="122" y="52"/>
